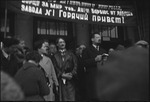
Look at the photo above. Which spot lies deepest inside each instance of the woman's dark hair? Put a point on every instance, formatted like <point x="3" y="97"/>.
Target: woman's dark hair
<point x="33" y="55"/>
<point x="38" y="44"/>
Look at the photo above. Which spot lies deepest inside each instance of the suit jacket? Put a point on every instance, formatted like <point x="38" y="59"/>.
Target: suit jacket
<point x="66" y="64"/>
<point x="10" y="66"/>
<point x="69" y="65"/>
<point x="89" y="55"/>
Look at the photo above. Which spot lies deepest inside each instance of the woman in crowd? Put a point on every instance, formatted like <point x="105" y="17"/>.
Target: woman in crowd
<point x="32" y="79"/>
<point x="46" y="63"/>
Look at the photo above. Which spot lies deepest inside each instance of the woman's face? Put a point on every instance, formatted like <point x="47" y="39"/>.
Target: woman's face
<point x="44" y="48"/>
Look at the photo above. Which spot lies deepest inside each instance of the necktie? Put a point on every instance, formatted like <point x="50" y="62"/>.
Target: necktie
<point x="8" y="58"/>
<point x="63" y="54"/>
<point x="97" y="47"/>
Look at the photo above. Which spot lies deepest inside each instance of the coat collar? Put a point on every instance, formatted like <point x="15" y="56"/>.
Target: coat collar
<point x="28" y="65"/>
<point x="5" y="54"/>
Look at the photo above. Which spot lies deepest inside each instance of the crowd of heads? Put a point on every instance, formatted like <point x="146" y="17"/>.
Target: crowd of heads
<point x="19" y="48"/>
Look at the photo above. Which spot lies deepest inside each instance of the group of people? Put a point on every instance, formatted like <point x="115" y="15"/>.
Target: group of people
<point x="50" y="72"/>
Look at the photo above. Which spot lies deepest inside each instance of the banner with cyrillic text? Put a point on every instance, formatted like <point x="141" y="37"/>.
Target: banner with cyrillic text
<point x="77" y="11"/>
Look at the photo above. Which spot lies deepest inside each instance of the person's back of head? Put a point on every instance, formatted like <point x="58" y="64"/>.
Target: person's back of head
<point x="125" y="77"/>
<point x="120" y="47"/>
<point x="142" y="43"/>
<point x="34" y="56"/>
<point x="10" y="90"/>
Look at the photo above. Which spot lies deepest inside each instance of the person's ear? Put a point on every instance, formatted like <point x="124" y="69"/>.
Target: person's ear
<point x="92" y="39"/>
<point x="38" y="49"/>
<point x="57" y="45"/>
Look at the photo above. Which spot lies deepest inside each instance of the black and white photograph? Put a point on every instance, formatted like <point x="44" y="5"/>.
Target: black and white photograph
<point x="74" y="50"/>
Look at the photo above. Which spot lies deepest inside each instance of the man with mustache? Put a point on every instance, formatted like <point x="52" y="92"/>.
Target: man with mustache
<point x="92" y="55"/>
<point x="66" y="66"/>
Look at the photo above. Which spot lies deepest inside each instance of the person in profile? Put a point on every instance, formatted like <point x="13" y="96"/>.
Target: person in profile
<point x="42" y="47"/>
<point x="125" y="76"/>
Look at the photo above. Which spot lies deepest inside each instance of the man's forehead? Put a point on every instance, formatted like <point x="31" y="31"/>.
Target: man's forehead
<point x="61" y="40"/>
<point x="52" y="45"/>
<point x="97" y="35"/>
<point x="45" y="44"/>
<point x="82" y="46"/>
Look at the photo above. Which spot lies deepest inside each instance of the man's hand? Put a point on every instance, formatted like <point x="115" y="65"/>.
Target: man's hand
<point x="67" y="75"/>
<point x="57" y="88"/>
<point x="98" y="58"/>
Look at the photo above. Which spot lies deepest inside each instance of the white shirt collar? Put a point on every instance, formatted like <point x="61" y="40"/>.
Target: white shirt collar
<point x="5" y="54"/>
<point x="62" y="50"/>
<point x="94" y="45"/>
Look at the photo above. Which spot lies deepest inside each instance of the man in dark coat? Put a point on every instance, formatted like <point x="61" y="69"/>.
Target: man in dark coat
<point x="91" y="56"/>
<point x="80" y="79"/>
<point x="66" y="71"/>
<point x="9" y="56"/>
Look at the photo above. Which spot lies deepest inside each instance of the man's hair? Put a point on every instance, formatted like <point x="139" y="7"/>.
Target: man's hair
<point x="120" y="47"/>
<point x="52" y="43"/>
<point x="93" y="34"/>
<point x="33" y="55"/>
<point x="57" y="40"/>
<point x="8" y="42"/>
